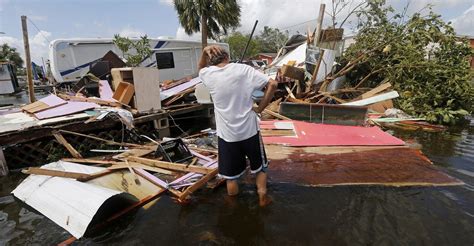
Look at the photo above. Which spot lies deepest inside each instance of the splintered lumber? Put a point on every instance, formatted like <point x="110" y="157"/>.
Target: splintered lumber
<point x="54" y="173"/>
<point x="198" y="184"/>
<point x="83" y="177"/>
<point x="374" y="99"/>
<point x="66" y="144"/>
<point x="376" y="90"/>
<point x="276" y="115"/>
<point x="142" y="166"/>
<point x="91" y="161"/>
<point x="92" y="100"/>
<point x="171" y="165"/>
<point x="110" y="142"/>
<point x="135" y="152"/>
<point x="290" y="93"/>
<point x="203" y="150"/>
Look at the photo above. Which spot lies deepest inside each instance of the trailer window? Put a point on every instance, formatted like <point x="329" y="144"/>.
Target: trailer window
<point x="165" y="60"/>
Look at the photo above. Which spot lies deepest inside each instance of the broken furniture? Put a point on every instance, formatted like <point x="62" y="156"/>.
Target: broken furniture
<point x="145" y="83"/>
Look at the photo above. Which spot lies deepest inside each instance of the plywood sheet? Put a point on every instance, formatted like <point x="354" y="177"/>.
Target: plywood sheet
<point x="66" y="109"/>
<point x="388" y="167"/>
<point x="147" y="89"/>
<point x="310" y="134"/>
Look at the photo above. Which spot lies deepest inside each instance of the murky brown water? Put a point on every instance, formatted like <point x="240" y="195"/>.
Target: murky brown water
<point x="298" y="216"/>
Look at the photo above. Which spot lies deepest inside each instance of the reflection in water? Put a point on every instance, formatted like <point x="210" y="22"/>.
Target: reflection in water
<point x="298" y="216"/>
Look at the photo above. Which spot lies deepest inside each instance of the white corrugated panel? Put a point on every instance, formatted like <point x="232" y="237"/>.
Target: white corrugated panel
<point x="69" y="203"/>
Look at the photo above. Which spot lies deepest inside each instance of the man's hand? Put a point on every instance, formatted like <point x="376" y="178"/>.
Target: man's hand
<point x="212" y="50"/>
<point x="207" y="53"/>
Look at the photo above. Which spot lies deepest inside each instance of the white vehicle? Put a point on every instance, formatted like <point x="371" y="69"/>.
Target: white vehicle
<point x="70" y="58"/>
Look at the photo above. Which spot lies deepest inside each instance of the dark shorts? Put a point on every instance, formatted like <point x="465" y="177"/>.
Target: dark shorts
<point x="232" y="157"/>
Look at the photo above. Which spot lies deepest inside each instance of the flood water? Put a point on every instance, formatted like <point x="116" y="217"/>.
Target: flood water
<point x="299" y="215"/>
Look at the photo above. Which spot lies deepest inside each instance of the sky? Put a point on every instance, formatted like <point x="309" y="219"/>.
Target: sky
<point x="56" y="19"/>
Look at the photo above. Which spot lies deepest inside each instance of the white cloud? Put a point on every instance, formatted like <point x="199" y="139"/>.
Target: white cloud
<point x="167" y="2"/>
<point x="39" y="45"/>
<point x="131" y="32"/>
<point x="181" y="34"/>
<point x="464" y="24"/>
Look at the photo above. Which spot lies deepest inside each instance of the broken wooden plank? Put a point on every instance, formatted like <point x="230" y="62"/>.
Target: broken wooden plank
<point x="110" y="142"/>
<point x="141" y="166"/>
<point x="374" y="99"/>
<point x="276" y="132"/>
<point x="55" y="173"/>
<point x="276" y="115"/>
<point x="171" y="166"/>
<point x="139" y="152"/>
<point x="290" y="93"/>
<point x="198" y="184"/>
<point x="91" y="100"/>
<point x="376" y="90"/>
<point x="91" y="161"/>
<point x="66" y="144"/>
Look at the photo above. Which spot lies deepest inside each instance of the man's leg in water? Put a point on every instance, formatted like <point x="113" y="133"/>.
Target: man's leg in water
<point x="232" y="187"/>
<point x="261" y="181"/>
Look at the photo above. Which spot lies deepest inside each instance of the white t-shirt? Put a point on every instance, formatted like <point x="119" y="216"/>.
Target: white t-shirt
<point x="231" y="90"/>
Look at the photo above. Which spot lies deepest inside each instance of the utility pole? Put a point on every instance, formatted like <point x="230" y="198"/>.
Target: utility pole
<point x="29" y="73"/>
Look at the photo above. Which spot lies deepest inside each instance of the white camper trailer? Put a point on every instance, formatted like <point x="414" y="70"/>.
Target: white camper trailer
<point x="70" y="58"/>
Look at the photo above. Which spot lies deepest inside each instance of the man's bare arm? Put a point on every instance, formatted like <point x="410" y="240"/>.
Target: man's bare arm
<point x="267" y="97"/>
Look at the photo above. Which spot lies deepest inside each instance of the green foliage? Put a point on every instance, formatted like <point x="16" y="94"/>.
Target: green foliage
<point x="422" y="58"/>
<point x="218" y="16"/>
<point x="237" y="42"/>
<point x="133" y="51"/>
<point x="9" y="54"/>
<point x="271" y="39"/>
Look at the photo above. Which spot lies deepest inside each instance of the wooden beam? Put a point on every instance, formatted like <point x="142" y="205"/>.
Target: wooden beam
<point x="376" y="90"/>
<point x="290" y="93"/>
<point x="110" y="142"/>
<point x="374" y="99"/>
<point x="144" y="167"/>
<point x="96" y="175"/>
<point x="276" y="115"/>
<point x="171" y="166"/>
<point x="55" y="173"/>
<point x="198" y="184"/>
<point x="66" y="144"/>
<point x="91" y="161"/>
<point x="29" y="72"/>
<point x="92" y="100"/>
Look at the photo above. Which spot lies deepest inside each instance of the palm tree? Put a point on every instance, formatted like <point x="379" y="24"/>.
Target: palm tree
<point x="211" y="17"/>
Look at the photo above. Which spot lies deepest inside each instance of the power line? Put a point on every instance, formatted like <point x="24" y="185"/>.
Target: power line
<point x="39" y="31"/>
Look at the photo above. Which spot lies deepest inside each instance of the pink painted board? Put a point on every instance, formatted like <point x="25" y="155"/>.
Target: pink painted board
<point x="180" y="180"/>
<point x="69" y="108"/>
<point x="52" y="100"/>
<point x="105" y="91"/>
<point x="150" y="177"/>
<point x="311" y="134"/>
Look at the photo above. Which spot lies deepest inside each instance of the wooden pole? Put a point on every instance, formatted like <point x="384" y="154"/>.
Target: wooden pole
<point x="29" y="73"/>
<point x="322" y="8"/>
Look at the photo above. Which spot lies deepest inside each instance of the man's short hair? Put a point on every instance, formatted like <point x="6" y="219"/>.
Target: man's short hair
<point x="216" y="59"/>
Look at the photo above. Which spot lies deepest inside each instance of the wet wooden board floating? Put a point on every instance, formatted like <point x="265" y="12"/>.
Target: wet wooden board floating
<point x="385" y="167"/>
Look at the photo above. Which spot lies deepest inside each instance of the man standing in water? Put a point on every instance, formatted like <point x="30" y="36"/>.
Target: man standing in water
<point x="231" y="86"/>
